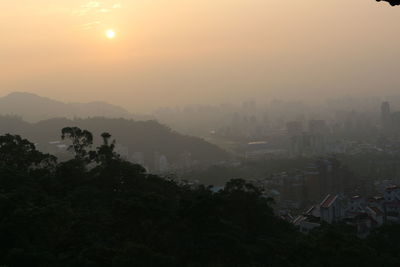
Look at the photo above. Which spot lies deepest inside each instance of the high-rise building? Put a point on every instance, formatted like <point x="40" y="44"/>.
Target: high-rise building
<point x="385" y="116"/>
<point x="317" y="127"/>
<point x="294" y="128"/>
<point x="385" y="109"/>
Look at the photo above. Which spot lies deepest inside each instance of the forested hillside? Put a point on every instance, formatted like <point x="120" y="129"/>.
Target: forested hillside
<point x="138" y="136"/>
<point x="114" y="214"/>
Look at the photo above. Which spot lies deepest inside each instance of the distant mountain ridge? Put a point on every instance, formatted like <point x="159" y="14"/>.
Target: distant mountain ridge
<point x="33" y="108"/>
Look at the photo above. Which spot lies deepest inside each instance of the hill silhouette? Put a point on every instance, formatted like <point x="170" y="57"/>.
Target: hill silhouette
<point x="146" y="137"/>
<point x="100" y="210"/>
<point x="34" y="108"/>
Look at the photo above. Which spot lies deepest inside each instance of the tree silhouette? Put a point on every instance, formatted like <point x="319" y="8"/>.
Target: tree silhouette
<point x="105" y="153"/>
<point x="81" y="140"/>
<point x="21" y="154"/>
<point x="114" y="214"/>
<point x="391" y="2"/>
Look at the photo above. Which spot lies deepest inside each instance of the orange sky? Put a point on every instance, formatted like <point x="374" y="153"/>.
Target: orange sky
<point x="171" y="52"/>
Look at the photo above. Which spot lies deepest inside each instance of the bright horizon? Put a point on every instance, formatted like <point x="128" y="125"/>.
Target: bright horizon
<point x="145" y="54"/>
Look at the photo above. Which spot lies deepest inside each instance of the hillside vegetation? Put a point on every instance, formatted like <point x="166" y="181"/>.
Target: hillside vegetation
<point x="99" y="210"/>
<point x="147" y="137"/>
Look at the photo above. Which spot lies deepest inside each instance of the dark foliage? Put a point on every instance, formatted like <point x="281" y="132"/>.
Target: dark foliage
<point x="98" y="210"/>
<point x="391" y="2"/>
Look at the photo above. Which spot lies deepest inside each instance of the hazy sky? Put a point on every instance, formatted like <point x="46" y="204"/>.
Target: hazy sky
<point x="169" y="52"/>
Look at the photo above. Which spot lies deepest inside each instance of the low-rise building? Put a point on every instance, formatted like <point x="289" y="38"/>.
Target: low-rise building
<point x="330" y="209"/>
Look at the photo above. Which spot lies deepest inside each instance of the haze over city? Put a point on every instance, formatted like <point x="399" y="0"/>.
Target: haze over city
<point x="173" y="52"/>
<point x="213" y="133"/>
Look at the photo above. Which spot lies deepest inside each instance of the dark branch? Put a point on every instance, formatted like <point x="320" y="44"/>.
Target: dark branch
<point x="391" y="2"/>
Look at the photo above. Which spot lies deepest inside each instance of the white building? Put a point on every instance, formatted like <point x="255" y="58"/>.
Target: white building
<point x="163" y="164"/>
<point x="331" y="210"/>
<point x="355" y="207"/>
<point x="309" y="220"/>
<point x="392" y="203"/>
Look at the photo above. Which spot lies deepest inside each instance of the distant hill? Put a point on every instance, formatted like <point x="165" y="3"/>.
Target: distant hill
<point x="34" y="108"/>
<point x="145" y="137"/>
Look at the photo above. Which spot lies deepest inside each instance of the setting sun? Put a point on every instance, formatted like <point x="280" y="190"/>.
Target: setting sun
<point x="110" y="34"/>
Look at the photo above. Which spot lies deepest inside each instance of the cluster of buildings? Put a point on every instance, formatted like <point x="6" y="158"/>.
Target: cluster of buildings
<point x="278" y="129"/>
<point x="351" y="134"/>
<point x="308" y="143"/>
<point x="298" y="189"/>
<point x="363" y="213"/>
<point x="344" y="133"/>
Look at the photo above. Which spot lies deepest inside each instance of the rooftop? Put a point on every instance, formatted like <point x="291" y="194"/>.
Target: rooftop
<point x="393" y="187"/>
<point x="377" y="210"/>
<point x="328" y="201"/>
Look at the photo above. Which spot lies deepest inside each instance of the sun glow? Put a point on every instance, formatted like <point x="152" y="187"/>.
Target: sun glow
<point x="110" y="34"/>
